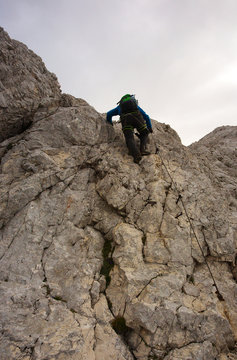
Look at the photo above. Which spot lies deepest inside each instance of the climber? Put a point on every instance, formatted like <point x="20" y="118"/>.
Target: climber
<point x="132" y="116"/>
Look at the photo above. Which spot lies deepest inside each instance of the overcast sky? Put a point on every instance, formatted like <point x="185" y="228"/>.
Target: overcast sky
<point x="178" y="56"/>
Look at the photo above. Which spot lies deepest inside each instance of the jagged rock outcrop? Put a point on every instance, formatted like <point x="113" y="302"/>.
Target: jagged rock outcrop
<point x="98" y="256"/>
<point x="25" y="87"/>
<point x="219" y="151"/>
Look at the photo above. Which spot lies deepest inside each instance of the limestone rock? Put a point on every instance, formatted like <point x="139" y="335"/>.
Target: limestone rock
<point x="25" y="86"/>
<point x="99" y="256"/>
<point x="218" y="153"/>
<point x="193" y="351"/>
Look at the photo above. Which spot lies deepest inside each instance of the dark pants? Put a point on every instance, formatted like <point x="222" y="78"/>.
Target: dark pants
<point x="129" y="122"/>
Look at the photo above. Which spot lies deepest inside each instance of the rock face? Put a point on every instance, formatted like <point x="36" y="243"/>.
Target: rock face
<point x="219" y="151"/>
<point x="99" y="256"/>
<point x="25" y="87"/>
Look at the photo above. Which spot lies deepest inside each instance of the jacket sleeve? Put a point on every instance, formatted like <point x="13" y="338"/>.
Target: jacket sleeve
<point x="112" y="113"/>
<point x="146" y="118"/>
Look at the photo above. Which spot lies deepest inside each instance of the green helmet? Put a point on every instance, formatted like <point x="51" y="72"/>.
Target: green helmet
<point x="127" y="97"/>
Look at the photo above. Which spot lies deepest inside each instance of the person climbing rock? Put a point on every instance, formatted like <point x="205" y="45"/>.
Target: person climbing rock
<point x="132" y="116"/>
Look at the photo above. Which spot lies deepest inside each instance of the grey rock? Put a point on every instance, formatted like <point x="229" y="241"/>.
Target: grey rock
<point x="26" y="85"/>
<point x="99" y="256"/>
<point x="193" y="351"/>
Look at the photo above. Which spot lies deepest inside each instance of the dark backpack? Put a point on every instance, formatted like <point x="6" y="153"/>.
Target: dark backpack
<point x="128" y="104"/>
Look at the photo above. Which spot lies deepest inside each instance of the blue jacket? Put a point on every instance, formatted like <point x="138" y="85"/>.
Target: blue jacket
<point x="117" y="111"/>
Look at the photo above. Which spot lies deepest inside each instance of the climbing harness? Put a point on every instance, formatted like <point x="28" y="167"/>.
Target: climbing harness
<point x="220" y="297"/>
<point x="128" y="127"/>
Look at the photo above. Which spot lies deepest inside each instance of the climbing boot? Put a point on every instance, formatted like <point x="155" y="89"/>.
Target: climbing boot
<point x="137" y="159"/>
